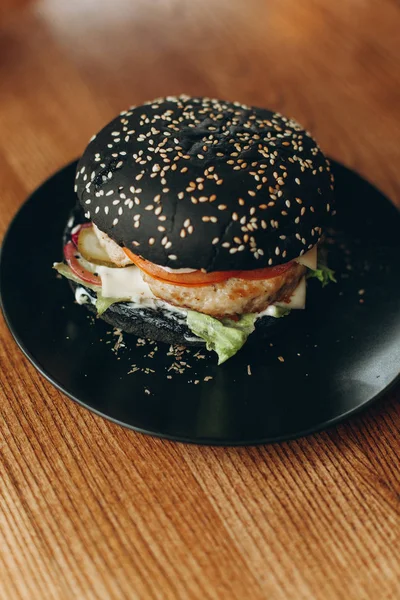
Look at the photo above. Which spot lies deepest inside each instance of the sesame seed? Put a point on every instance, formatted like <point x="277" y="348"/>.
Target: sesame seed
<point x="215" y="241"/>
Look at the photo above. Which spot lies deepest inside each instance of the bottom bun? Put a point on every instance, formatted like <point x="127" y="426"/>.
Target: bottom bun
<point x="166" y="326"/>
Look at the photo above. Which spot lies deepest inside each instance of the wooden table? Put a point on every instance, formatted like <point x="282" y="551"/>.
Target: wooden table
<point x="90" y="510"/>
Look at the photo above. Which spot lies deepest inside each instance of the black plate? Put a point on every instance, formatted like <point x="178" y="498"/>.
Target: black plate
<point x="336" y="357"/>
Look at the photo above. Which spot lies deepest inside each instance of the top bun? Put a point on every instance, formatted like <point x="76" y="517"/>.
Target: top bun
<point x="206" y="184"/>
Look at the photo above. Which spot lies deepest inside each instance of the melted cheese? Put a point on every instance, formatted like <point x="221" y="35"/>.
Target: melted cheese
<point x="297" y="301"/>
<point x="309" y="259"/>
<point x="124" y="283"/>
<point x="298" y="298"/>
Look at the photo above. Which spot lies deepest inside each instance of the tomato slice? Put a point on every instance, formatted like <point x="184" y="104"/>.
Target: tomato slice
<point x="73" y="263"/>
<point x="198" y="278"/>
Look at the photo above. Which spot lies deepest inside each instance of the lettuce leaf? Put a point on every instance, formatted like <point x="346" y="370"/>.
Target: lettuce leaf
<point x="323" y="273"/>
<point x="65" y="271"/>
<point x="225" y="337"/>
<point x="102" y="302"/>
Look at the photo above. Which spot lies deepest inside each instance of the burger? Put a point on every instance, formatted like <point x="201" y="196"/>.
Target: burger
<point x="198" y="221"/>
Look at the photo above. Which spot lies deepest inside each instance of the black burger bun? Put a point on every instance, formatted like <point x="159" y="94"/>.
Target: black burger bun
<point x="206" y="184"/>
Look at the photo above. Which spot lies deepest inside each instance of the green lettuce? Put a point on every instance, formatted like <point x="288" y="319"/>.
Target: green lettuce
<point x="323" y="273"/>
<point x="225" y="337"/>
<point x="102" y="302"/>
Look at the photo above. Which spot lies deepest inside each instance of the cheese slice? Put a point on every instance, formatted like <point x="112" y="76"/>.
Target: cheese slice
<point x="298" y="298"/>
<point x="309" y="259"/>
<point x="124" y="283"/>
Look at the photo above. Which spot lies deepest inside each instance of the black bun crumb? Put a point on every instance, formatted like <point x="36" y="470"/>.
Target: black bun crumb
<point x="163" y="326"/>
<point x="202" y="183"/>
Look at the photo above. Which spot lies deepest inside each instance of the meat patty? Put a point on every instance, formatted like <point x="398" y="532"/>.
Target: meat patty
<point x="231" y="297"/>
<point x="115" y="252"/>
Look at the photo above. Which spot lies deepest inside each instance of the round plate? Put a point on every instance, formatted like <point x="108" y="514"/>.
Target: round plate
<point x="338" y="355"/>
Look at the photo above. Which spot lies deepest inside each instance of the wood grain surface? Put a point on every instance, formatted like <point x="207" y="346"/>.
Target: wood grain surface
<point x="92" y="511"/>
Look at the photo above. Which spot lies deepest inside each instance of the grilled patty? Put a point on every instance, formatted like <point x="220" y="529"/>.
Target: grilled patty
<point x="231" y="297"/>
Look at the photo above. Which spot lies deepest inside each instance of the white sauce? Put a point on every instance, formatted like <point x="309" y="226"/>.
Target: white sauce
<point x="82" y="297"/>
